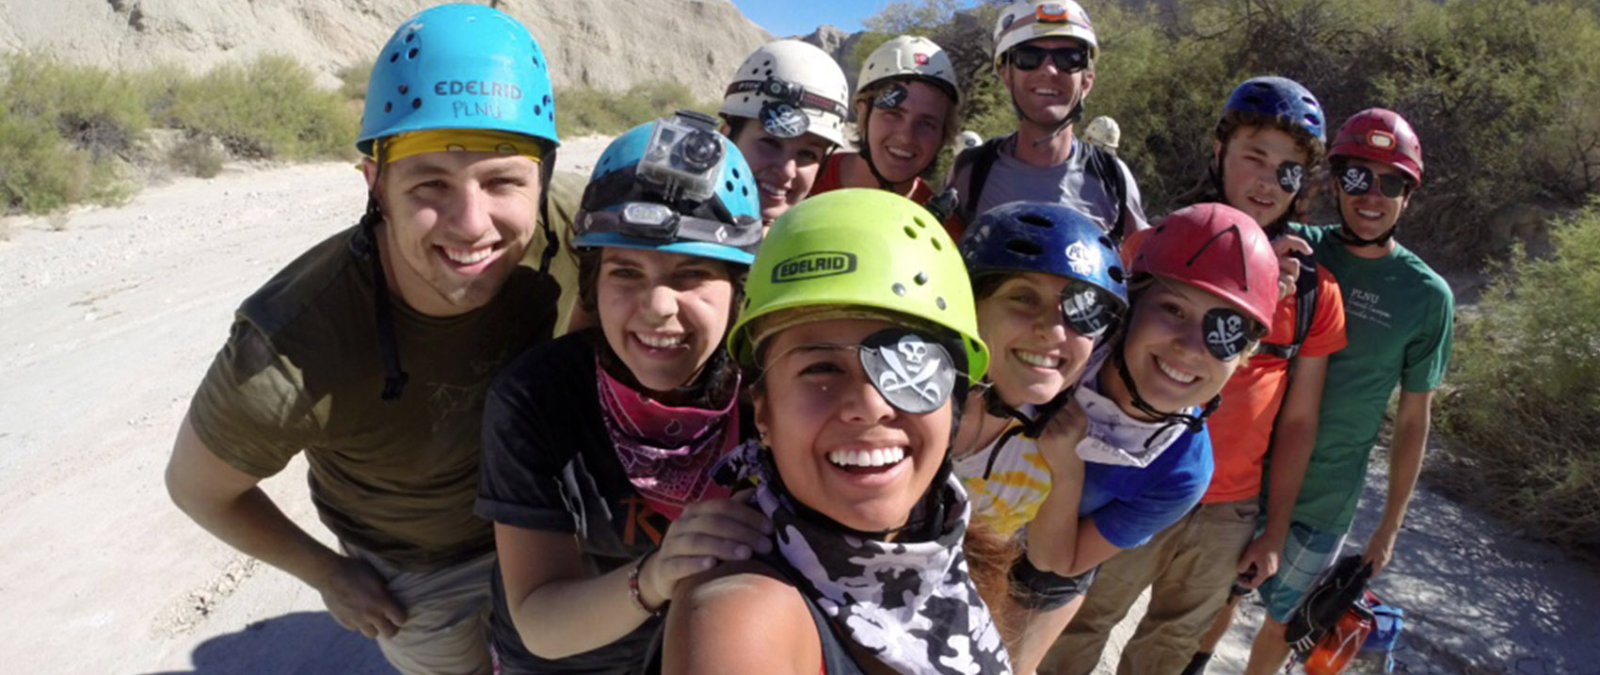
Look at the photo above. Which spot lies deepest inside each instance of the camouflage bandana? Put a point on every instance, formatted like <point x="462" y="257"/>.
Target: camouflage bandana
<point x="912" y="604"/>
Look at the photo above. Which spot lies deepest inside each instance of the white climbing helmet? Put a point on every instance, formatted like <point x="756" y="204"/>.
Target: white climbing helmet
<point x="969" y="139"/>
<point x="791" y="88"/>
<point x="909" y="55"/>
<point x="1104" y="132"/>
<point x="1035" y="19"/>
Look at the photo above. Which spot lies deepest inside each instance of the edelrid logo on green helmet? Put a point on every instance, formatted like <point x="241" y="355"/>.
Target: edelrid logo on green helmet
<point x="814" y="265"/>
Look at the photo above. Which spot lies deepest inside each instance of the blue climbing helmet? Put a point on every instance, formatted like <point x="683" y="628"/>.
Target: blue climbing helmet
<point x="673" y="185"/>
<point x="1280" y="99"/>
<point x="459" y="67"/>
<point x="1057" y="240"/>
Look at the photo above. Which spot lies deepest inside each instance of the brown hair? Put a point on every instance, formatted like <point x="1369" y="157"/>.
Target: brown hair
<point x="864" y="98"/>
<point x="990" y="556"/>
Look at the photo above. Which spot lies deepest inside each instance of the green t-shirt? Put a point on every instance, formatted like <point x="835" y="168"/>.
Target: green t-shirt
<point x="1400" y="317"/>
<point x="565" y="196"/>
<point x="302" y="371"/>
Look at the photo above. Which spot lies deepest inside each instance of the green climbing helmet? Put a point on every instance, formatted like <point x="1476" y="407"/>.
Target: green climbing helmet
<point x="862" y="248"/>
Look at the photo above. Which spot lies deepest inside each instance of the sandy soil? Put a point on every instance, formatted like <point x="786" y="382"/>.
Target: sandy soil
<point x="108" y="318"/>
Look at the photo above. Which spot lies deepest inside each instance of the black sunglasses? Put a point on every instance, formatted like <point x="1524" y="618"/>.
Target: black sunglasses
<point x="1067" y="59"/>
<point x="1358" y="180"/>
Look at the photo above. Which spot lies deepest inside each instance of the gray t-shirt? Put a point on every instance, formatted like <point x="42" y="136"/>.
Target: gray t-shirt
<point x="1070" y="183"/>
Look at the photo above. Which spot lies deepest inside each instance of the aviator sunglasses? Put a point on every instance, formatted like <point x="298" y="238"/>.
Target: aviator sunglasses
<point x="1067" y="59"/>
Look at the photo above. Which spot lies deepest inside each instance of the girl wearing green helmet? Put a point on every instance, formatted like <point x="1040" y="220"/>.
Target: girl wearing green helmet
<point x="860" y="335"/>
<point x="610" y="433"/>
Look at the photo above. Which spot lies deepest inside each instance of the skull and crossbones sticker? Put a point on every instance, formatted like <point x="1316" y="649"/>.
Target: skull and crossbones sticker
<point x="913" y="373"/>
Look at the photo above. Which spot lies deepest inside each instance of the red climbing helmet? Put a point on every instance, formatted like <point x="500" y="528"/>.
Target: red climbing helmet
<point x="1381" y="136"/>
<point x="1218" y="249"/>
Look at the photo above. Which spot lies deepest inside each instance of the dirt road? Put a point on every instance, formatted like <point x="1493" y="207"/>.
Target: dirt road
<point x="108" y="319"/>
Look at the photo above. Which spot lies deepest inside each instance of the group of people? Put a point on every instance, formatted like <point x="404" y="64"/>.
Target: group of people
<point x="748" y="400"/>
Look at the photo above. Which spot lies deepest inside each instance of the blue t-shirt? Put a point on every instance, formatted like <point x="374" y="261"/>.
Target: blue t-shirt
<point x="1130" y="505"/>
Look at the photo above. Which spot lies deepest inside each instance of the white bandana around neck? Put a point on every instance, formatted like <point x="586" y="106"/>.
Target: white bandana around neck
<point x="1113" y="436"/>
<point x="912" y="604"/>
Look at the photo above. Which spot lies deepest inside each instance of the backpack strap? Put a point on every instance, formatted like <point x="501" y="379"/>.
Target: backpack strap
<point x="1104" y="167"/>
<point x="980" y="159"/>
<point x="1305" y="299"/>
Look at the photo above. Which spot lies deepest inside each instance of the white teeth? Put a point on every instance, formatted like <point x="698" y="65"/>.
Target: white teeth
<point x="1178" y="375"/>
<point x="468" y="256"/>
<point x="661" y="341"/>
<point x="900" y="153"/>
<point x="1262" y="202"/>
<point x="1039" y="360"/>
<point x="1369" y="214"/>
<point x="867" y="458"/>
<point x="773" y="190"/>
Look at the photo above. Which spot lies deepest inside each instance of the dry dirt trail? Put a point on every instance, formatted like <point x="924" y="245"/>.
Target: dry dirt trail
<point x="109" y="318"/>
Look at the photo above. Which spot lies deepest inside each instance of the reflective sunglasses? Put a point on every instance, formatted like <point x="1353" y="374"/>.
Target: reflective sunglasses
<point x="1359" y="180"/>
<point x="1067" y="59"/>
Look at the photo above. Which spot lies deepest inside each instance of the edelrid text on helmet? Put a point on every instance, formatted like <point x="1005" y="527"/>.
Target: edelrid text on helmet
<point x="862" y="248"/>
<point x="459" y="67"/>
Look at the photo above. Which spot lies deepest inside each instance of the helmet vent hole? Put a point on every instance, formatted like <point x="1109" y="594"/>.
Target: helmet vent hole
<point x="735" y="171"/>
<point x="412" y="54"/>
<point x="547" y="99"/>
<point x="912" y="233"/>
<point x="768" y="73"/>
<point x="920" y="222"/>
<point x="1024" y="247"/>
<point x="410" y="37"/>
<point x="940" y="302"/>
<point x="1115" y="272"/>
<point x="936" y="245"/>
<point x="921" y="278"/>
<point x="899" y="289"/>
<point x="1106" y="242"/>
<point x="537" y="110"/>
<point x="404" y="90"/>
<point x="1036" y="221"/>
<point x="728" y="185"/>
<point x="744" y="191"/>
<point x="416" y="103"/>
<point x="394" y="57"/>
<point x="388" y="106"/>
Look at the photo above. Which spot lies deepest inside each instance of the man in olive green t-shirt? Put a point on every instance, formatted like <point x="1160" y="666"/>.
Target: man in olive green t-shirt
<point x="1399" y="321"/>
<point x="372" y="352"/>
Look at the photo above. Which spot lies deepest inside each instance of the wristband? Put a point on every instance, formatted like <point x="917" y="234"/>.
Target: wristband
<point x="633" y="587"/>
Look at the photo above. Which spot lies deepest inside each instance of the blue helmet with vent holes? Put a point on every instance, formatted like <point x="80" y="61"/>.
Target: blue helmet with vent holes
<point x="1283" y="99"/>
<point x="1053" y="239"/>
<point x="673" y="185"/>
<point x="459" y="67"/>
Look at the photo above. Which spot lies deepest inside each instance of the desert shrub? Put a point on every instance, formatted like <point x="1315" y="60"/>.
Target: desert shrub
<point x="93" y="109"/>
<point x="41" y="172"/>
<point x="591" y="111"/>
<point x="197" y="156"/>
<point x="270" y="108"/>
<point x="1525" y="399"/>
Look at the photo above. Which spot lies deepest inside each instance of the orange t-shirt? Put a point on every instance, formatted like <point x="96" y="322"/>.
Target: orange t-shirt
<point x="1241" y="428"/>
<point x="831" y="178"/>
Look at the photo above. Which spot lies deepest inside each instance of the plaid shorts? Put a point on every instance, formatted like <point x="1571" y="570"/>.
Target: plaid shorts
<point x="1308" y="552"/>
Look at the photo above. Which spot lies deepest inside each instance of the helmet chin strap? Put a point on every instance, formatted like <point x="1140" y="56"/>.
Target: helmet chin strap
<point x="1030" y="427"/>
<point x="1348" y="234"/>
<point x="1194" y="422"/>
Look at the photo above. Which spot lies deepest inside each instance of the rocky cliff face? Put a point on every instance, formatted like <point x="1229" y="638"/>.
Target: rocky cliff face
<point x="606" y="44"/>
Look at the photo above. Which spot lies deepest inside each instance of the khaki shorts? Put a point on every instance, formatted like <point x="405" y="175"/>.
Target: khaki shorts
<point x="447" y="616"/>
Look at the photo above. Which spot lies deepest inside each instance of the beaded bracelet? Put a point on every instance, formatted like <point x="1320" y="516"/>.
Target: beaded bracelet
<point x="633" y="587"/>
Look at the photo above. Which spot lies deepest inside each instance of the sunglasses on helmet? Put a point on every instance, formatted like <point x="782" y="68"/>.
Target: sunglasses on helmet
<point x="1067" y="59"/>
<point x="1357" y="180"/>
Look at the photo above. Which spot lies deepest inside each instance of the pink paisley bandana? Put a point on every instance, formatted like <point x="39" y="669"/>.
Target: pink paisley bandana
<point x="667" y="452"/>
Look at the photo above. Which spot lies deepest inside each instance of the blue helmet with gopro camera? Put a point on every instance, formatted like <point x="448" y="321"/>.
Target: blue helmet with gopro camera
<point x="673" y="185"/>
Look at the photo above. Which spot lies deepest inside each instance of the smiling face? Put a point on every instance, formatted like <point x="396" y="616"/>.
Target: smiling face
<point x="785" y="168"/>
<point x="905" y="140"/>
<point x="1045" y="94"/>
<point x="1250" y="164"/>
<point x="840" y="447"/>
<point x="1371" y="215"/>
<point x="1166" y="349"/>
<point x="1035" y="354"/>
<point x="664" y="314"/>
<point x="455" y="226"/>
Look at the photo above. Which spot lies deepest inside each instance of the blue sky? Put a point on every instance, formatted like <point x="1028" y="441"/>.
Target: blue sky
<point x="784" y="18"/>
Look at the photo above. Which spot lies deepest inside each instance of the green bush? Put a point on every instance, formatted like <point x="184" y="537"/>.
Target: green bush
<point x="92" y="109"/>
<point x="197" y="156"/>
<point x="268" y="109"/>
<point x="591" y="111"/>
<point x="1525" y="399"/>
